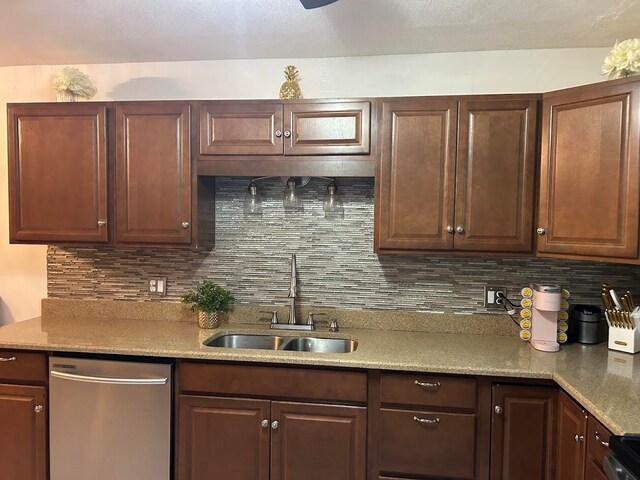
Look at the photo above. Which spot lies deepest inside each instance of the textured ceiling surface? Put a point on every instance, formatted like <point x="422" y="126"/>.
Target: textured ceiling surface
<point x="104" y="31"/>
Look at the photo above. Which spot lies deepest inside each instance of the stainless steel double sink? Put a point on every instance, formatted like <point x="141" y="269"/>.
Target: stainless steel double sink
<point x="291" y="344"/>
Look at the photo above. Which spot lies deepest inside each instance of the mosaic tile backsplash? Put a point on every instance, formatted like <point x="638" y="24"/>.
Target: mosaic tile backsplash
<point x="336" y="263"/>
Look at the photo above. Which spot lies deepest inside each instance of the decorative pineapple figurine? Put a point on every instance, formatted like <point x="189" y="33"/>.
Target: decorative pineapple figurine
<point x="290" y="88"/>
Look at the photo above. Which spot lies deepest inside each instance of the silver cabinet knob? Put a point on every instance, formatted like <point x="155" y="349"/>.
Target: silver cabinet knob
<point x="265" y="423"/>
<point x="498" y="409"/>
<point x="278" y="133"/>
<point x="274" y="425"/>
<point x="450" y="229"/>
<point x="460" y="229"/>
<point x="185" y="224"/>
<point x="287" y="134"/>
<point x="38" y="408"/>
<point x="540" y="231"/>
<point x="578" y="438"/>
<point x="102" y="223"/>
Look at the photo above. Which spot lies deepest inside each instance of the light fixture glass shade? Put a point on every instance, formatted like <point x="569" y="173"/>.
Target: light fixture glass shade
<point x="291" y="199"/>
<point x="332" y="205"/>
<point x="253" y="200"/>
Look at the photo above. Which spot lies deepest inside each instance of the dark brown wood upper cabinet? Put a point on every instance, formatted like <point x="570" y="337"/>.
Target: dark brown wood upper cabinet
<point x="328" y="138"/>
<point x="572" y="436"/>
<point x="153" y="173"/>
<point x="495" y="175"/>
<point x="57" y="173"/>
<point x="272" y="128"/>
<point x="590" y="171"/>
<point x="241" y="128"/>
<point x="487" y="176"/>
<point x="415" y="185"/>
<point x="331" y="128"/>
<point x="522" y="432"/>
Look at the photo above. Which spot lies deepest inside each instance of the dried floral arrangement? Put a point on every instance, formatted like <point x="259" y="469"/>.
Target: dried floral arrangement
<point x="72" y="81"/>
<point x="623" y="59"/>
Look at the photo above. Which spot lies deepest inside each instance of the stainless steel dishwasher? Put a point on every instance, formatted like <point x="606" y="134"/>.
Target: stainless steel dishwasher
<point x="109" y="419"/>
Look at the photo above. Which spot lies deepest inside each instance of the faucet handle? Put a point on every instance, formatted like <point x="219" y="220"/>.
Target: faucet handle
<point x="333" y="325"/>
<point x="274" y="315"/>
<point x="311" y="317"/>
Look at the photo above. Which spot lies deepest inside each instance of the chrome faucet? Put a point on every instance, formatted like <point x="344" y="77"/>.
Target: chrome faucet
<point x="293" y="291"/>
<point x="293" y="294"/>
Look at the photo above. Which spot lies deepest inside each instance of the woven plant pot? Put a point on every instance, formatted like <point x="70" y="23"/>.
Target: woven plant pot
<point x="207" y="320"/>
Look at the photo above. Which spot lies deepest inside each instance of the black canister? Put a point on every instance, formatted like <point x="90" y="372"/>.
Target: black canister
<point x="586" y="325"/>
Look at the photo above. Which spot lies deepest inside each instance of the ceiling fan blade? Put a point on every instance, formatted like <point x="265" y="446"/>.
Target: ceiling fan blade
<point x="309" y="4"/>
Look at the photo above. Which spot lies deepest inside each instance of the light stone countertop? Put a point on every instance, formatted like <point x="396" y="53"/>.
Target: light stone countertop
<point x="606" y="383"/>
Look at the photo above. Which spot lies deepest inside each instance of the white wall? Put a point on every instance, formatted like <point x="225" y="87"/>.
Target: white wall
<point x="23" y="268"/>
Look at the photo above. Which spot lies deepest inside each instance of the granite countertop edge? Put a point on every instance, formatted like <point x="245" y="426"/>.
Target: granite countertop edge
<point x="461" y="354"/>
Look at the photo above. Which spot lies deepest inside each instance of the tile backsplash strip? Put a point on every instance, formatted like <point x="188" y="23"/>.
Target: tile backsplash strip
<point x="336" y="263"/>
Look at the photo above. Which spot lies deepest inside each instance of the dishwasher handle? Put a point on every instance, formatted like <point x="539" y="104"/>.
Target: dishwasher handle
<point x="108" y="380"/>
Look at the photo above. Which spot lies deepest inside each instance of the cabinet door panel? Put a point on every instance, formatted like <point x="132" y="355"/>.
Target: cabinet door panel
<point x="24" y="434"/>
<point x="58" y="173"/>
<point x="444" y="448"/>
<point x="593" y="471"/>
<point x="495" y="174"/>
<point x="222" y="438"/>
<point x="241" y="128"/>
<point x="522" y="432"/>
<point x="597" y="441"/>
<point x="416" y="181"/>
<point x="337" y="128"/>
<point x="590" y="174"/>
<point x="318" y="442"/>
<point x="572" y="432"/>
<point x="153" y="173"/>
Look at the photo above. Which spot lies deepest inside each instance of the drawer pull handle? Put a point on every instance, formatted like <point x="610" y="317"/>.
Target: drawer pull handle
<point x="426" y="421"/>
<point x="8" y="359"/>
<point x="578" y="438"/>
<point x="428" y="385"/>
<point x="602" y="442"/>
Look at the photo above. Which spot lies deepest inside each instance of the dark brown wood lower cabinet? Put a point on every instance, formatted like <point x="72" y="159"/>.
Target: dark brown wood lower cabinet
<point x="250" y="439"/>
<point x="223" y="438"/>
<point x="597" y="447"/>
<point x="522" y="432"/>
<point x="572" y="432"/>
<point x="426" y="443"/>
<point x="23" y="429"/>
<point x="318" y="442"/>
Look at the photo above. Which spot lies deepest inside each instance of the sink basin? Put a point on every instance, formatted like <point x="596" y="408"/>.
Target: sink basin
<point x="262" y="342"/>
<point x="292" y="344"/>
<point x="320" y="345"/>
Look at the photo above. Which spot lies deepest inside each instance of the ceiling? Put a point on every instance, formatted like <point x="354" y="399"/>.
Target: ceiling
<point x="34" y="32"/>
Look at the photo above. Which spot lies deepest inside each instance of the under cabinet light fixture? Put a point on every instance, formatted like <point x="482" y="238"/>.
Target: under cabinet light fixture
<point x="253" y="200"/>
<point x="291" y="200"/>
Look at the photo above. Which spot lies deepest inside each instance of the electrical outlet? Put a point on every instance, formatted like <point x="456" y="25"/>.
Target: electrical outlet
<point x="158" y="286"/>
<point x="491" y="296"/>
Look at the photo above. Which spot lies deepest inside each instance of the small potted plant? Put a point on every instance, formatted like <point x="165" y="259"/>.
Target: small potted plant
<point x="208" y="299"/>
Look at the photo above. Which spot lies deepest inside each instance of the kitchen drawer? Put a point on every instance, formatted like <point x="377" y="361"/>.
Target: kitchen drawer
<point x="16" y="365"/>
<point x="428" y="390"/>
<point x="273" y="382"/>
<point x="445" y="448"/>
<point x="593" y="471"/>
<point x="597" y="441"/>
